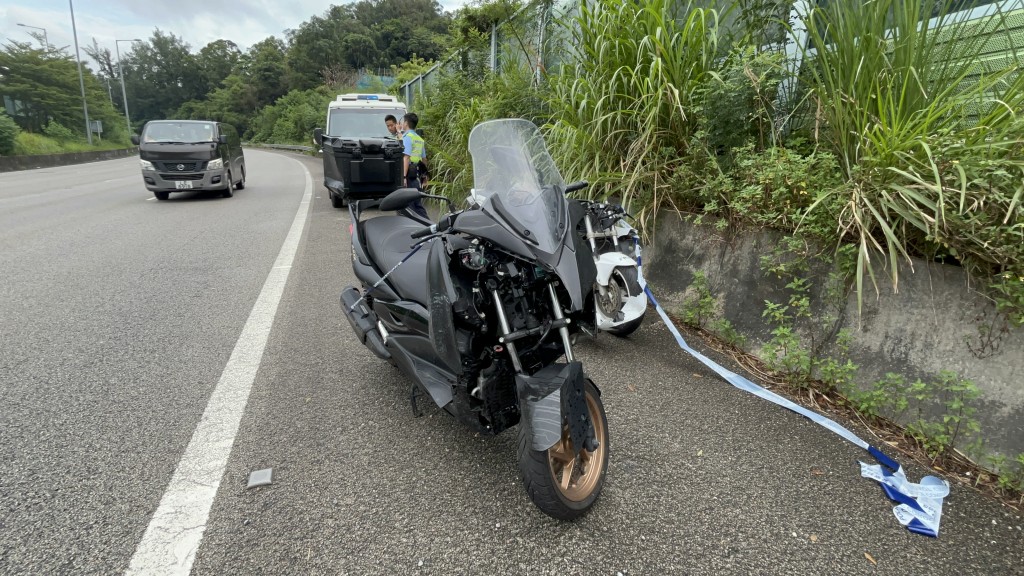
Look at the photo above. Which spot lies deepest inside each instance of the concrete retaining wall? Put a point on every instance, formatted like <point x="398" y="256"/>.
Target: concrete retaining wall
<point x="12" y="163"/>
<point x="932" y="324"/>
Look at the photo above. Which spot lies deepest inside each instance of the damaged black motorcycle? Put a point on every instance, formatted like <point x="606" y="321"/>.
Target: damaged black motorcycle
<point x="479" y="309"/>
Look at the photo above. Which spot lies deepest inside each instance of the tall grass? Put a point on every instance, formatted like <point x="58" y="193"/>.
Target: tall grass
<point x="450" y="108"/>
<point x="624" y="114"/>
<point x="927" y="133"/>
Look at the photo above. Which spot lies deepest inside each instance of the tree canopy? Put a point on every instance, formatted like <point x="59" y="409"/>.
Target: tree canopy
<point x="166" y="77"/>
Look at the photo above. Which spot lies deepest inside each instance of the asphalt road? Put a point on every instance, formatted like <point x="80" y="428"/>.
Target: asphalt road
<point x="119" y="315"/>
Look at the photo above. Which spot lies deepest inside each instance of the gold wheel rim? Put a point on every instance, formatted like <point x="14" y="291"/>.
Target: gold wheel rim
<point x="577" y="475"/>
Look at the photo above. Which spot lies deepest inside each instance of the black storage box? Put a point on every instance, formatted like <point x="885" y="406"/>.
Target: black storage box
<point x="356" y="168"/>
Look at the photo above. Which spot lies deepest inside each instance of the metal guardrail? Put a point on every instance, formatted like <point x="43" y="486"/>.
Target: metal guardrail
<point x="281" y="146"/>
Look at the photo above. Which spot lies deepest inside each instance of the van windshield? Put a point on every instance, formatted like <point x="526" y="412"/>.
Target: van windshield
<point x="360" y="123"/>
<point x="183" y="132"/>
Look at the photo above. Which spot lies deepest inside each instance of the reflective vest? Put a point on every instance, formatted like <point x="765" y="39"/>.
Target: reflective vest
<point x="418" y="147"/>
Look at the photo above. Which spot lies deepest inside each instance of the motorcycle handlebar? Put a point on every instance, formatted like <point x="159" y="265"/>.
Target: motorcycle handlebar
<point x="425" y="232"/>
<point x="442" y="225"/>
<point x="576" y="186"/>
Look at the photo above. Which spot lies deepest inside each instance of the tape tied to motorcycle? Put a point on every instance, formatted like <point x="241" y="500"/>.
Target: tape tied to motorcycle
<point x="919" y="505"/>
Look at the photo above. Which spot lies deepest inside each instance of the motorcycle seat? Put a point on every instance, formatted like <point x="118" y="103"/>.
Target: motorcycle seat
<point x="388" y="240"/>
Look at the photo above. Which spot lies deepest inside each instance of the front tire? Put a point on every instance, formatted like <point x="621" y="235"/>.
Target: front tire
<point x="162" y="195"/>
<point x="559" y="482"/>
<point x="337" y="201"/>
<point x="227" y="193"/>
<point x="628" y="281"/>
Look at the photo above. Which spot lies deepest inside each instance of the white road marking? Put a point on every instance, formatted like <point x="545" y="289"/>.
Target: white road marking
<point x="150" y="199"/>
<point x="172" y="538"/>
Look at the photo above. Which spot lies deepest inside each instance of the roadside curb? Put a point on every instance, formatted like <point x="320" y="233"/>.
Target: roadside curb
<point x="15" y="163"/>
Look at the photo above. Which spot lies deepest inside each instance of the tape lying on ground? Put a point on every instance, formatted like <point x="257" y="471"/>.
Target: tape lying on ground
<point x="919" y="506"/>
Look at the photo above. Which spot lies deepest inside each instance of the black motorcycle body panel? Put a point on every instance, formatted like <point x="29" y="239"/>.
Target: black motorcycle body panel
<point x="436" y="318"/>
<point x="442" y="297"/>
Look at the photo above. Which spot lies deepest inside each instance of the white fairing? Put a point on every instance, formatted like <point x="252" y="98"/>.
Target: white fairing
<point x="634" y="305"/>
<point x="608" y="262"/>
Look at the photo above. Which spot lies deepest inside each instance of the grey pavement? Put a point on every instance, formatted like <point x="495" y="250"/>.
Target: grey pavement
<point x="113" y="338"/>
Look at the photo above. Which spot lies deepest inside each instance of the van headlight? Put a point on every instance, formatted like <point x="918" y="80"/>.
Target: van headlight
<point x="217" y="164"/>
<point x="147" y="165"/>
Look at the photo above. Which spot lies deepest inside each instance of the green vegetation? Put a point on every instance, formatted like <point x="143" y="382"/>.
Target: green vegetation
<point x="9" y="131"/>
<point x="44" y="85"/>
<point x="699" y="306"/>
<point x="255" y="90"/>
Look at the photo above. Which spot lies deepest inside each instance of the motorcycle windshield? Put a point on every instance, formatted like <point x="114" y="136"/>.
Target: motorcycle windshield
<point x="513" y="170"/>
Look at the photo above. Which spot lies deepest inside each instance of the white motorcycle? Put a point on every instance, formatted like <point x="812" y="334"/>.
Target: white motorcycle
<point x="620" y="302"/>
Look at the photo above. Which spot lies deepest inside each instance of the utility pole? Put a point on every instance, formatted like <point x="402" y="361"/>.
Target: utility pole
<point x="120" y="70"/>
<point x="81" y="79"/>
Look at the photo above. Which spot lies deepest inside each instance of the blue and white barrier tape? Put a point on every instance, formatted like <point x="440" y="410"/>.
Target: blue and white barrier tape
<point x="919" y="506"/>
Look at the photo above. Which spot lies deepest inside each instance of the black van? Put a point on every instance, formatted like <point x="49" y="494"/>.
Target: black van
<point x="188" y="155"/>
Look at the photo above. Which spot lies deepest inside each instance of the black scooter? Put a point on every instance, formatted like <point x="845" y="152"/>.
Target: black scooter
<point x="479" y="309"/>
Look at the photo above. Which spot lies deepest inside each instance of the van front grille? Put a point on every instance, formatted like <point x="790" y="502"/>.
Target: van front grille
<point x="181" y="176"/>
<point x="180" y="166"/>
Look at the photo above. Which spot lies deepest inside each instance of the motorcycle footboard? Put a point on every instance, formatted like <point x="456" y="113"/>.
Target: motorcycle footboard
<point x="363" y="321"/>
<point x="555" y="396"/>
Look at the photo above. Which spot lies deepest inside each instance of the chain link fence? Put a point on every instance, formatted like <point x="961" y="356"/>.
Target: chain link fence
<point x="530" y="37"/>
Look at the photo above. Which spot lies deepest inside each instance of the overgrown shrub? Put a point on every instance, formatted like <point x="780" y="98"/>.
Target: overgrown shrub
<point x="292" y="118"/>
<point x="926" y="132"/>
<point x="455" y="103"/>
<point x="9" y="131"/>
<point x="59" y="132"/>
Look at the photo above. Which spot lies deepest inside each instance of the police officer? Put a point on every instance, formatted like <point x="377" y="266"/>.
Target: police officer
<point x="415" y="150"/>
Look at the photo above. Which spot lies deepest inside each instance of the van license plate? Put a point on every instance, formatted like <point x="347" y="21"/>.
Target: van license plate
<point x="183" y="184"/>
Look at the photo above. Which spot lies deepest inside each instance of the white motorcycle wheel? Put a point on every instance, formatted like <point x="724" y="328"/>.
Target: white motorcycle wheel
<point x="624" y="281"/>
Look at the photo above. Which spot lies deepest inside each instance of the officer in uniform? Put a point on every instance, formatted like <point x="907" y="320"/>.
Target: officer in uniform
<point x="415" y="150"/>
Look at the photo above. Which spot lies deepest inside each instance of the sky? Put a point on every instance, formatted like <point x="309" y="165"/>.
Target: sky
<point x="199" y="22"/>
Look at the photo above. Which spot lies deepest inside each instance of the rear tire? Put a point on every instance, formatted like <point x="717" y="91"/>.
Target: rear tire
<point x="241" y="183"/>
<point x="227" y="193"/>
<point x="337" y="201"/>
<point x="558" y="493"/>
<point x="162" y="195"/>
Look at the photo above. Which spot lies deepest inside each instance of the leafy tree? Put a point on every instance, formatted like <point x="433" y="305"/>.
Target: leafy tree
<point x="264" y="68"/>
<point x="292" y="118"/>
<point x="319" y="43"/>
<point x="45" y="84"/>
<point x="160" y="75"/>
<point x="217" y="60"/>
<point x="234" y="102"/>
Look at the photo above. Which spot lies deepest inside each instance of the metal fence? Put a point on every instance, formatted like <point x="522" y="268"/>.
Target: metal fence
<point x="529" y="37"/>
<point x="532" y="36"/>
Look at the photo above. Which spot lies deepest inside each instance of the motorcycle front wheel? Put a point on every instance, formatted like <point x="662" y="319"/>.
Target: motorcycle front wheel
<point x="563" y="484"/>
<point x="623" y="280"/>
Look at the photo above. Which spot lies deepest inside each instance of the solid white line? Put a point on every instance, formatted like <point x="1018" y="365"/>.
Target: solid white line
<point x="174" y="533"/>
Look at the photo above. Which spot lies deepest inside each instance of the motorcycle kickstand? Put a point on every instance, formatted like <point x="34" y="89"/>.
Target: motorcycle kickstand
<point x="416" y="412"/>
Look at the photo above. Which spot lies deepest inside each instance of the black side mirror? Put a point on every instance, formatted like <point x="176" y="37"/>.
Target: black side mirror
<point x="399" y="199"/>
<point x="223" y="139"/>
<point x="318" y="136"/>
<point x="135" y="139"/>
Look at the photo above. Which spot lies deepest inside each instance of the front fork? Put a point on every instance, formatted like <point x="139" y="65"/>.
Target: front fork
<point x="555" y="396"/>
<point x="508" y="338"/>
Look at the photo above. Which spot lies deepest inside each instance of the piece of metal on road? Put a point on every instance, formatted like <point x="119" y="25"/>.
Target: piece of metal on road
<point x="175" y="531"/>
